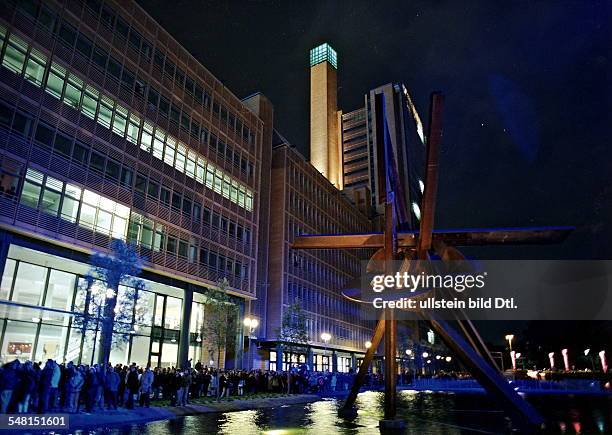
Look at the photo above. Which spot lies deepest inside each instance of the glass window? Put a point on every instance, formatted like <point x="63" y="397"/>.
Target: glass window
<point x="35" y="68"/>
<point x="55" y="81"/>
<point x="70" y="204"/>
<point x="84" y="46"/>
<point x="90" y="102"/>
<point x="170" y="149"/>
<point x="182" y="251"/>
<point x="133" y="129"/>
<point x="106" y="111"/>
<point x="165" y="196"/>
<point x="210" y="175"/>
<point x="190" y="169"/>
<point x="169" y="353"/>
<point x="126" y="176"/>
<point x="104" y="221"/>
<point x="140" y="350"/>
<point x="120" y="120"/>
<point x="74" y="87"/>
<point x="51" y="196"/>
<point x="97" y="161"/>
<point x="113" y="169"/>
<point x="29" y="284"/>
<point x="87" y="218"/>
<point x="173" y="313"/>
<point x="119" y="350"/>
<point x="7" y="279"/>
<point x="180" y="158"/>
<point x="44" y="134"/>
<point x="147" y="233"/>
<point x="144" y="309"/>
<point x="158" y="143"/>
<point x="147" y="137"/>
<point x="18" y="340"/>
<point x="160" y="235"/>
<point x="51" y="343"/>
<point x="32" y="188"/>
<point x="60" y="290"/>
<point x="171" y="245"/>
<point x="15" y="54"/>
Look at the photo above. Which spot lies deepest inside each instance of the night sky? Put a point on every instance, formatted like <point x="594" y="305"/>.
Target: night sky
<point x="528" y="87"/>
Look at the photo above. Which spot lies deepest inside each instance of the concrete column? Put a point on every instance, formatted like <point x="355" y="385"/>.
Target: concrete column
<point x="184" y="337"/>
<point x="279" y="357"/>
<point x="354" y="362"/>
<point x="309" y="358"/>
<point x="334" y="361"/>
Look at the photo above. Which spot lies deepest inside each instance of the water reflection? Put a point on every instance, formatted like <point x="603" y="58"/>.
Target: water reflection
<point x="431" y="413"/>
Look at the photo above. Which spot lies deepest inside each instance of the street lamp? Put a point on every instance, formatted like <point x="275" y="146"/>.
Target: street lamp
<point x="252" y="323"/>
<point x="408" y="352"/>
<point x="368" y="344"/>
<point x="326" y="336"/>
<point x="425" y="354"/>
<point x="509" y="338"/>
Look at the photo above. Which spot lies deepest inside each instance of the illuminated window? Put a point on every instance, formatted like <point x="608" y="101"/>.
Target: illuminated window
<point x="14" y="57"/>
<point x="35" y="68"/>
<point x="108" y="113"/>
<point x="323" y="53"/>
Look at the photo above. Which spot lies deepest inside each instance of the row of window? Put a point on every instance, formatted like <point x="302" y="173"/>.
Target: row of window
<point x="329" y="202"/>
<point x="103" y="60"/>
<point x="112" y="169"/>
<point x="105" y="216"/>
<point x="104" y="110"/>
<point x="322" y="303"/>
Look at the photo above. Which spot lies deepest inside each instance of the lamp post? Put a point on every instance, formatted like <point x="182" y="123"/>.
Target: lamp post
<point x="326" y="336"/>
<point x="509" y="338"/>
<point x="251" y="323"/>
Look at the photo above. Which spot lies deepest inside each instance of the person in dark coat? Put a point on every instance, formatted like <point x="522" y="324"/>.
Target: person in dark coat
<point x="25" y="387"/>
<point x="92" y="382"/>
<point x="132" y="385"/>
<point x="46" y="378"/>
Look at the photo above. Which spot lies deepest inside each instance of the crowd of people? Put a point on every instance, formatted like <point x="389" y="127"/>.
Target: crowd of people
<point x="34" y="387"/>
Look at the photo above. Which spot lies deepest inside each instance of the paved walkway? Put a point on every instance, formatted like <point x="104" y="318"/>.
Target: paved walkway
<point x="143" y="415"/>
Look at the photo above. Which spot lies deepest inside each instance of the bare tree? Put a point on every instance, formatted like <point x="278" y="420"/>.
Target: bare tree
<point x="112" y="275"/>
<point x="221" y="322"/>
<point x="293" y="329"/>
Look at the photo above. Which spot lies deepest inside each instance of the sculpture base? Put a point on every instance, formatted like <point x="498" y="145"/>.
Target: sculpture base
<point x="348" y="413"/>
<point x="393" y="425"/>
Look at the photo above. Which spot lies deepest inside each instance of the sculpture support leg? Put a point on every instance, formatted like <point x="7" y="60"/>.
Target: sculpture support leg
<point x="363" y="368"/>
<point x="390" y="364"/>
<point x="487" y="375"/>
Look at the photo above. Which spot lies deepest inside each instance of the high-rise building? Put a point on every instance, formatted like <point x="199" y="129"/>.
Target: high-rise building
<point x="363" y="138"/>
<point x="305" y="202"/>
<point x="325" y="150"/>
<point x="110" y="129"/>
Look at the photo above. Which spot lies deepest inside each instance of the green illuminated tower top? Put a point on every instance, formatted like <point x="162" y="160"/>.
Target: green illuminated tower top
<point x="322" y="53"/>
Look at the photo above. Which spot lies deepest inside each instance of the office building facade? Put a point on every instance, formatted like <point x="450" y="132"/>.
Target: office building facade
<point x="110" y="129"/>
<point x="306" y="202"/>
